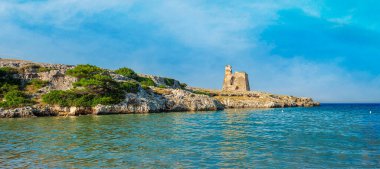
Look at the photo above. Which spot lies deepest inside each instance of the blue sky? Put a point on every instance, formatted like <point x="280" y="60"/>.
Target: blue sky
<point x="327" y="50"/>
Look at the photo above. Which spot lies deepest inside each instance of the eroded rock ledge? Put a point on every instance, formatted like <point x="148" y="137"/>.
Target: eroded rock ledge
<point x="255" y="99"/>
<point x="172" y="98"/>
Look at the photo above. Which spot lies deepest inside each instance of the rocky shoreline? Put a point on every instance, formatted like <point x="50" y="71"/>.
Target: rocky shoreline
<point x="162" y="97"/>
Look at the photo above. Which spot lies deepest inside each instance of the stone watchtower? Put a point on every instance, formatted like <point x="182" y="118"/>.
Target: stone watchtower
<point x="237" y="81"/>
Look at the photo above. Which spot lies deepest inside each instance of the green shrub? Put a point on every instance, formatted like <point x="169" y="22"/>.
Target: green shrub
<point x="6" y="87"/>
<point x="7" y="71"/>
<point x="7" y="80"/>
<point x="90" y="83"/>
<point x="127" y="72"/>
<point x="106" y="100"/>
<point x="15" y="98"/>
<point x="144" y="81"/>
<point x="86" y="100"/>
<point x="130" y="87"/>
<point x="169" y="82"/>
<point x="37" y="83"/>
<point x="162" y="86"/>
<point x="59" y="97"/>
<point x="94" y="80"/>
<point x="96" y="87"/>
<point x="75" y="98"/>
<point x="44" y="69"/>
<point x="202" y="92"/>
<point x="10" y="89"/>
<point x="145" y="87"/>
<point x="183" y="85"/>
<point x="7" y="76"/>
<point x="85" y="71"/>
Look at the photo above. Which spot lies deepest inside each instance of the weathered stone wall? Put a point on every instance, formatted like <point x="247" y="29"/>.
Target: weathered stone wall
<point x="237" y="81"/>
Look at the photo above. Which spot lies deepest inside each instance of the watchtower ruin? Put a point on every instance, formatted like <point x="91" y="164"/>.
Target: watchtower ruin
<point x="237" y="81"/>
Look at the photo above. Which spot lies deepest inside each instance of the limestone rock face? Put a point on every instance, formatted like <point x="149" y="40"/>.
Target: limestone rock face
<point x="181" y="100"/>
<point x="54" y="73"/>
<point x="31" y="65"/>
<point x="174" y="100"/>
<point x="263" y="100"/>
<point x="27" y="111"/>
<point x="17" y="112"/>
<point x="141" y="102"/>
<point x="58" y="80"/>
<point x="155" y="99"/>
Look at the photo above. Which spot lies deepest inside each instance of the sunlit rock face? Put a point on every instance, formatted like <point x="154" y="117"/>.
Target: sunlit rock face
<point x="168" y="95"/>
<point x="170" y="100"/>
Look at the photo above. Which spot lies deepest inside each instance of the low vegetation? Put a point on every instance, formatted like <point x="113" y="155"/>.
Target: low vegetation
<point x="144" y="81"/>
<point x="34" y="67"/>
<point x="78" y="98"/>
<point x="183" y="85"/>
<point x="35" y="84"/>
<point x="162" y="86"/>
<point x="85" y="71"/>
<point x="15" y="98"/>
<point x="129" y="73"/>
<point x="94" y="86"/>
<point x="11" y="89"/>
<point x="202" y="92"/>
<point x="169" y="81"/>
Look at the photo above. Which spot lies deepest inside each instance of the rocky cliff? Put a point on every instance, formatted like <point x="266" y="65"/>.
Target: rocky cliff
<point x="164" y="96"/>
<point x="255" y="99"/>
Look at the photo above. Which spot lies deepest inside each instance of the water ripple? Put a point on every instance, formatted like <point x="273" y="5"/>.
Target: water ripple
<point x="330" y="136"/>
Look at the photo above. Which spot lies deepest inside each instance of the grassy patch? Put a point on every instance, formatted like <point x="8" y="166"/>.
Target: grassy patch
<point x="130" y="87"/>
<point x="85" y="71"/>
<point x="11" y="94"/>
<point x="169" y="81"/>
<point x="162" y="86"/>
<point x="15" y="98"/>
<point x="144" y="81"/>
<point x="75" y="98"/>
<point x="127" y="72"/>
<point x="44" y="69"/>
<point x="183" y="85"/>
<point x="202" y="92"/>
<point x="35" y="84"/>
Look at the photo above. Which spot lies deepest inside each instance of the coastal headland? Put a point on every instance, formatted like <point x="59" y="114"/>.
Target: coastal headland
<point x="29" y="89"/>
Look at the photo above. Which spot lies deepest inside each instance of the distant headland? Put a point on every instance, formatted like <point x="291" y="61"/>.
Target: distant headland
<point x="30" y="89"/>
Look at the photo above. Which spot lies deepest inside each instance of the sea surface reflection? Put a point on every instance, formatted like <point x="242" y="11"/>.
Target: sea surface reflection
<point x="329" y="136"/>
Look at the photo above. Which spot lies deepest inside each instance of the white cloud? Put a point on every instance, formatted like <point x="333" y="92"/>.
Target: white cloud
<point x="342" y="20"/>
<point x="197" y="24"/>
<point x="326" y="82"/>
<point x="213" y="36"/>
<point x="60" y="13"/>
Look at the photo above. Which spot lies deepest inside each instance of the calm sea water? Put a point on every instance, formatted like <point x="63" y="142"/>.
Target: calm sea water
<point x="330" y="136"/>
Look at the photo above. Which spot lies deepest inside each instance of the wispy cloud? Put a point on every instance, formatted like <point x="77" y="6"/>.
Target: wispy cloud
<point x="191" y="41"/>
<point x="61" y="14"/>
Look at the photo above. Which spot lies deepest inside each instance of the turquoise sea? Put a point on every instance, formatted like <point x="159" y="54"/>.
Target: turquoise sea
<point x="330" y="136"/>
